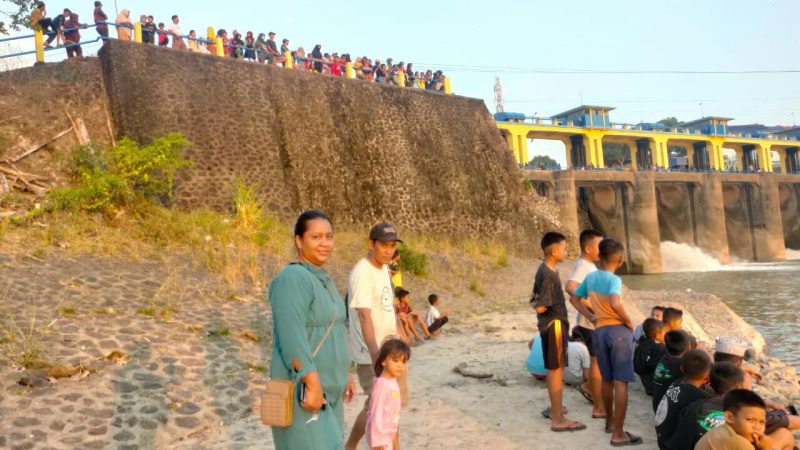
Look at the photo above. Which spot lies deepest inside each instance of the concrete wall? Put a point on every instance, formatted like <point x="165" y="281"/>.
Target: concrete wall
<point x="676" y="220"/>
<point x="753" y="220"/>
<point x="361" y="151"/>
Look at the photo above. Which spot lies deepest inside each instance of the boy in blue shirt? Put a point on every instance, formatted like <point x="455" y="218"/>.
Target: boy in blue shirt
<point x="613" y="338"/>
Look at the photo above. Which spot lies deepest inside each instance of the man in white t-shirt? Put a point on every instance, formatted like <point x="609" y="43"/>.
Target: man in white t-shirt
<point x="175" y="31"/>
<point x="370" y="297"/>
<point x="590" y="253"/>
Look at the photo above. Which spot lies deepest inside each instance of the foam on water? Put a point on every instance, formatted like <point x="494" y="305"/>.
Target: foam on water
<point x="677" y="257"/>
<point x="792" y="254"/>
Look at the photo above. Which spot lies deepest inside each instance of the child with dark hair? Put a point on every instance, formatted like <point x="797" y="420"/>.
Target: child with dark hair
<point x="656" y="312"/>
<point x="434" y="319"/>
<point x="407" y="317"/>
<point x="383" y="417"/>
<point x="649" y="352"/>
<point x="745" y="419"/>
<point x="548" y="300"/>
<point x="668" y="369"/>
<point x="695" y="366"/>
<point x="613" y="338"/>
<point x="163" y="36"/>
<point x="592" y="390"/>
<point x="673" y="318"/>
<point x="704" y="415"/>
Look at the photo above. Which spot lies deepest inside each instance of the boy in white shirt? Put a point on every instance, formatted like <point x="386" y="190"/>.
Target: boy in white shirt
<point x="590" y="254"/>
<point x="435" y="319"/>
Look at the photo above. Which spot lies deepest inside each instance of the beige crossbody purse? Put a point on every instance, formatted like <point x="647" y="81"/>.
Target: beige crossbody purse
<point x="277" y="400"/>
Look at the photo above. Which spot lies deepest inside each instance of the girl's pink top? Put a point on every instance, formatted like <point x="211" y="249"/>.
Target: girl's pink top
<point x="383" y="419"/>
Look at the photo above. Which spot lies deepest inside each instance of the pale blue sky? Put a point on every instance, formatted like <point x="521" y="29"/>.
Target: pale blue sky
<point x="492" y="37"/>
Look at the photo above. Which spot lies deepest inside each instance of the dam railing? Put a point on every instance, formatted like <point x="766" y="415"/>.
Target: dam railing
<point x="214" y="45"/>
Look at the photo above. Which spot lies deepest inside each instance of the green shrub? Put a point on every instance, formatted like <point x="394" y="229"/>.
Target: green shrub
<point x="412" y="261"/>
<point x="123" y="175"/>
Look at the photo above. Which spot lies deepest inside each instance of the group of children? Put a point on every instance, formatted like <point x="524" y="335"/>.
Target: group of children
<point x="698" y="403"/>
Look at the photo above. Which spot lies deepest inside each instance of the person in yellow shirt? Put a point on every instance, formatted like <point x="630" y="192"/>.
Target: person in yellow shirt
<point x="394" y="270"/>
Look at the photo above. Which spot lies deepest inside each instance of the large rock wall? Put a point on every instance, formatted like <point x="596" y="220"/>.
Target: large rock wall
<point x="34" y="103"/>
<point x="360" y="151"/>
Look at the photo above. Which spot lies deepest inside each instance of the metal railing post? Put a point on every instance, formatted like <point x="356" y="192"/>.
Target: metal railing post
<point x="137" y="32"/>
<point x="39" y="41"/>
<point x="447" y="86"/>
<point x="211" y="36"/>
<point x="348" y="70"/>
<point x="220" y="48"/>
<point x="289" y="63"/>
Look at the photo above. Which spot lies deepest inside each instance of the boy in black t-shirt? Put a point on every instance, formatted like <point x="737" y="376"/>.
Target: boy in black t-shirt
<point x="695" y="366"/>
<point x="703" y="415"/>
<point x="551" y="311"/>
<point x="669" y="368"/>
<point x="649" y="352"/>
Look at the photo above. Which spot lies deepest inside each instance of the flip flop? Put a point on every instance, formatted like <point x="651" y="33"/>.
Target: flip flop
<point x="598" y="416"/>
<point x="632" y="440"/>
<point x="585" y="394"/>
<point x="574" y="426"/>
<point x="546" y="411"/>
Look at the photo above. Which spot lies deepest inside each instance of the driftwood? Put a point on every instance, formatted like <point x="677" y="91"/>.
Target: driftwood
<point x="40" y="146"/>
<point x="81" y="133"/>
<point x="22" y="181"/>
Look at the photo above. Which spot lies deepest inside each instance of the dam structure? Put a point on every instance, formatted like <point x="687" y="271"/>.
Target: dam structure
<point x="705" y="202"/>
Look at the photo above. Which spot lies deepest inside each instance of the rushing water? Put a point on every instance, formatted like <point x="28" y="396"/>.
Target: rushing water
<point x="766" y="295"/>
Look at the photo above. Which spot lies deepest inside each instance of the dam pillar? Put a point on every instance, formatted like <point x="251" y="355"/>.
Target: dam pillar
<point x="566" y="198"/>
<point x="641" y="227"/>
<point x="768" y="224"/>
<point x="790" y="213"/>
<point x="709" y="214"/>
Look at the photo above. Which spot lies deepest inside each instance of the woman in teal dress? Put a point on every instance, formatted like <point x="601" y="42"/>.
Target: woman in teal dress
<point x="304" y="302"/>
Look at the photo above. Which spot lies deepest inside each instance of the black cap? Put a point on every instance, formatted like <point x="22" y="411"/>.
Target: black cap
<point x="384" y="232"/>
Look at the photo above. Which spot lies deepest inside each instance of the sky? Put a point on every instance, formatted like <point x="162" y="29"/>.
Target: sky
<point x="475" y="41"/>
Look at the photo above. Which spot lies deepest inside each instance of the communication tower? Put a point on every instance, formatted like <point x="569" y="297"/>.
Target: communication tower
<point x="498" y="95"/>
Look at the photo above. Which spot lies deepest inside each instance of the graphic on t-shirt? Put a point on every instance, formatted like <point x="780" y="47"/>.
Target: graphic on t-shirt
<point x="662" y="373"/>
<point x="387" y="300"/>
<point x="712" y="420"/>
<point x="672" y="394"/>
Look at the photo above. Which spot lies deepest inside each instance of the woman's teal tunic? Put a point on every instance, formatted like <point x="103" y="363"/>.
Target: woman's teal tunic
<point x="304" y="300"/>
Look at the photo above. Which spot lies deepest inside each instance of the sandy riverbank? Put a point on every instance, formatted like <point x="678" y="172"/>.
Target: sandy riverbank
<point x="189" y="372"/>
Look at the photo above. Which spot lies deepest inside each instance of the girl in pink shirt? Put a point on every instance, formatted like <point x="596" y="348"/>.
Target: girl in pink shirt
<point x="383" y="418"/>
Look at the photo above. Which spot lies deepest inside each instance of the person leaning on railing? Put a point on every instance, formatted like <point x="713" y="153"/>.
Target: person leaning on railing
<point x="176" y="33"/>
<point x="124" y="25"/>
<point x="195" y="45"/>
<point x="100" y="19"/>
<point x="149" y="31"/>
<point x="72" y="35"/>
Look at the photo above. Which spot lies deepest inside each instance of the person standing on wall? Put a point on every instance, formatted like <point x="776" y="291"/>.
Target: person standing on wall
<point x="307" y="312"/>
<point x="175" y="31"/>
<point x="100" y="16"/>
<point x="372" y="315"/>
<point x="590" y="254"/>
<point x="72" y="35"/>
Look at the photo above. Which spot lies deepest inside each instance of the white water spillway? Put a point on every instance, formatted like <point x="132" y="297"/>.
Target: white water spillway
<point x="677" y="257"/>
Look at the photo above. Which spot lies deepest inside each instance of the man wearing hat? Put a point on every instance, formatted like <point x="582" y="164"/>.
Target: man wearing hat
<point x="100" y="16"/>
<point x="370" y="297"/>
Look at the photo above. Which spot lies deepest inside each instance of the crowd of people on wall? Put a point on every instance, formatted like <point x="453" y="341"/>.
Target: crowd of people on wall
<point x="262" y="48"/>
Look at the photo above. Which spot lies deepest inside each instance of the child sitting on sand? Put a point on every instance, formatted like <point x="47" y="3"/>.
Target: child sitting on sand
<point x="649" y="352"/>
<point x="695" y="365"/>
<point x="407" y="317"/>
<point x="672" y="318"/>
<point x="669" y="368"/>
<point x="435" y="319"/>
<point x="745" y="417"/>
<point x="383" y="417"/>
<point x="579" y="362"/>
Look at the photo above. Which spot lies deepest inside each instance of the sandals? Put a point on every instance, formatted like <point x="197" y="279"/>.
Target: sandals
<point x="585" y="394"/>
<point x="632" y="440"/>
<point x="574" y="426"/>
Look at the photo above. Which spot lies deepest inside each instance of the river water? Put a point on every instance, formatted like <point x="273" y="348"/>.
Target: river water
<point x="765" y="295"/>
